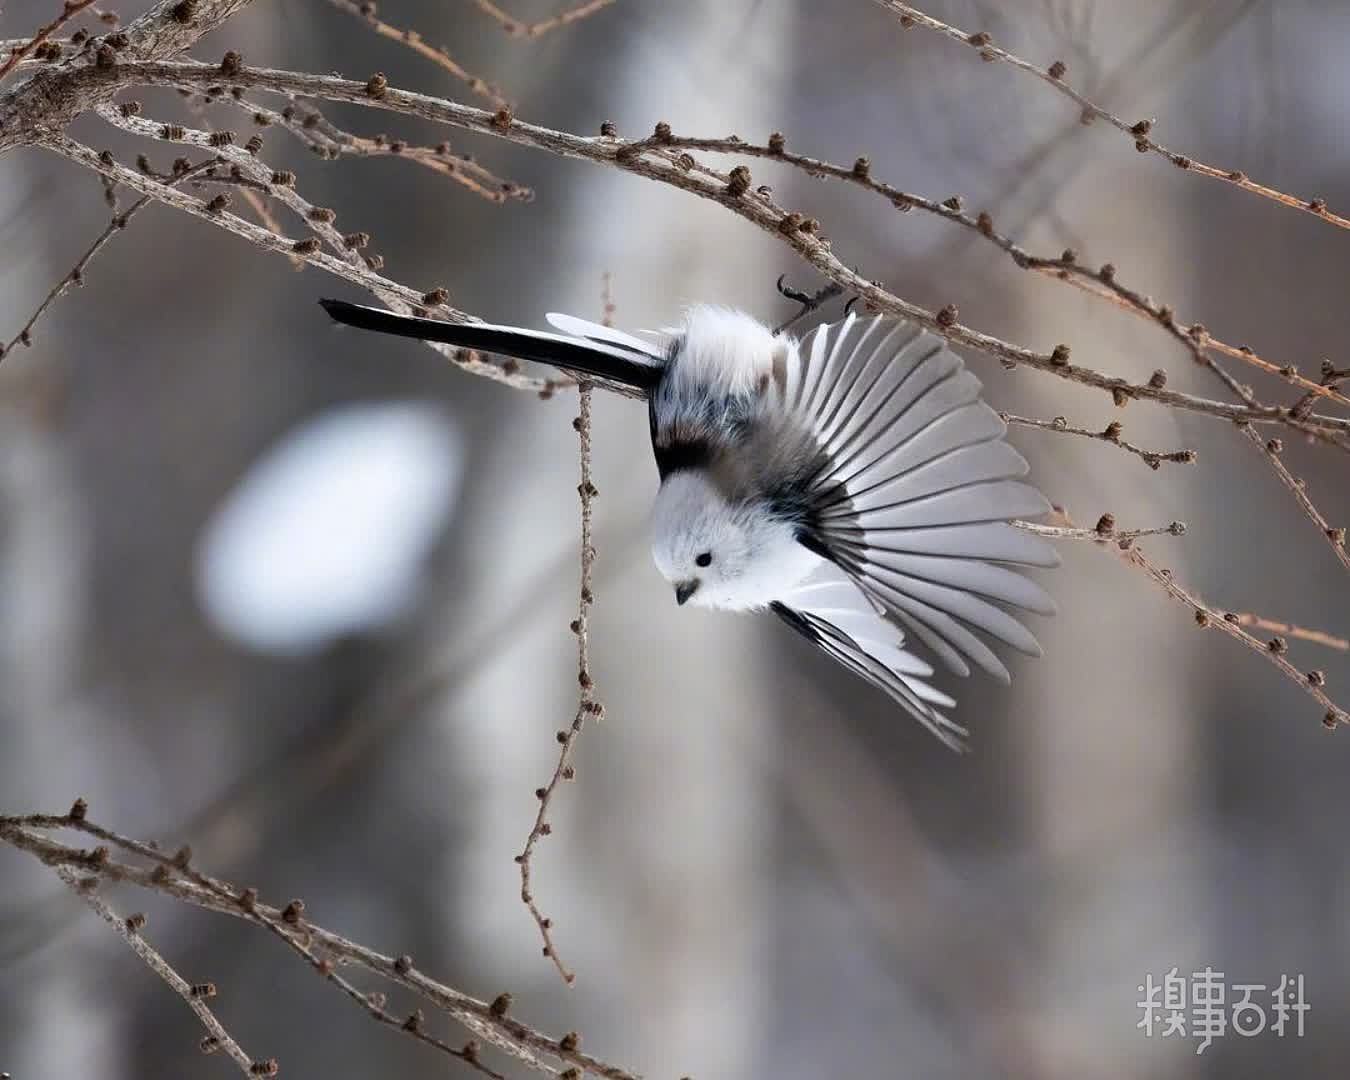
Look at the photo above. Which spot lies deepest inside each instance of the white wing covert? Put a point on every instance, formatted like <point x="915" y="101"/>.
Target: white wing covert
<point x="605" y="335"/>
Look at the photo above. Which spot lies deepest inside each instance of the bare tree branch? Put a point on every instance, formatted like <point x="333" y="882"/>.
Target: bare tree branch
<point x="264" y="238"/>
<point x="736" y="194"/>
<point x="330" y="142"/>
<point x="412" y="39"/>
<point x="1138" y="132"/>
<point x="75" y="276"/>
<point x="588" y="704"/>
<point x="22" y="48"/>
<point x="175" y="876"/>
<point x="516" y="28"/>
<point x="1273" y="650"/>
<point x="1102" y="283"/>
<point x="1293" y="630"/>
<point x="1110" y="434"/>
<point x="196" y="995"/>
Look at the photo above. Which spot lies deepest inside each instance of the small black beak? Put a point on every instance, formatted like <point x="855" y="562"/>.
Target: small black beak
<point x="685" y="589"/>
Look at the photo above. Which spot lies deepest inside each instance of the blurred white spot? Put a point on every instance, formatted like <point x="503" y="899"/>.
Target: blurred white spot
<point x="327" y="533"/>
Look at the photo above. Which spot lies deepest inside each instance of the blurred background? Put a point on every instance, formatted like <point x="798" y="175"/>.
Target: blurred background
<point x="301" y="597"/>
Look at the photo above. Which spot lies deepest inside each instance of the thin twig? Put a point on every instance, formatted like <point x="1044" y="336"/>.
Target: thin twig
<point x="130" y="931"/>
<point x="255" y="201"/>
<point x="1104" y="533"/>
<point x="288" y="926"/>
<point x="1272" y="448"/>
<point x="330" y="142"/>
<point x="1124" y="543"/>
<point x="515" y="28"/>
<point x="587" y="705"/>
<point x="17" y="53"/>
<point x="264" y="238"/>
<point x="319" y="220"/>
<point x="1293" y="630"/>
<point x="1110" y="434"/>
<point x="75" y="276"/>
<point x="1138" y="132"/>
<point x="413" y="40"/>
<point x="1273" y="650"/>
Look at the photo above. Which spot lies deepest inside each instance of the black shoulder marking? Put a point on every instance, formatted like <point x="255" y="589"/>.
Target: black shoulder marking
<point x="811" y="540"/>
<point x="694" y="454"/>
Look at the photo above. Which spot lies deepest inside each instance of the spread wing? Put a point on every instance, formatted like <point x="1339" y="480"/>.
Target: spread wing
<point x="832" y="612"/>
<point x="609" y="356"/>
<point x="915" y="487"/>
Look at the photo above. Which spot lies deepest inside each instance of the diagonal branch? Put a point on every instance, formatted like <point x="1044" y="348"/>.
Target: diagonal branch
<point x="1110" y="434"/>
<point x="1138" y="132"/>
<point x="588" y="704"/>
<point x="75" y="276"/>
<point x="46" y="102"/>
<point x="1101" y="283"/>
<point x="129" y="930"/>
<point x="366" y="11"/>
<point x="330" y="142"/>
<point x="515" y="28"/>
<point x="1296" y="486"/>
<point x="1293" y="630"/>
<point x="735" y="192"/>
<point x="24" y="48"/>
<point x="1274" y="649"/>
<point x="175" y="876"/>
<point x="265" y="238"/>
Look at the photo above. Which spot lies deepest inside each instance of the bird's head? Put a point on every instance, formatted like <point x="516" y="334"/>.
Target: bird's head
<point x="718" y="552"/>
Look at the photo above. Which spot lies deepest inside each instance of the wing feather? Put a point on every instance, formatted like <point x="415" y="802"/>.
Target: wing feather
<point x="994" y="541"/>
<point x="914" y="493"/>
<point x="865" y="378"/>
<point x="965" y="425"/>
<point x="835" y="614"/>
<point x="962" y="467"/>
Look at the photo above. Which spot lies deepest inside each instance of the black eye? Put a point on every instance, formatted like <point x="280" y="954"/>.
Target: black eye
<point x="703" y="560"/>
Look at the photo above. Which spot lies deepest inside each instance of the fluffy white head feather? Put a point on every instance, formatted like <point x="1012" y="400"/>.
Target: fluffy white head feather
<point x="723" y="554"/>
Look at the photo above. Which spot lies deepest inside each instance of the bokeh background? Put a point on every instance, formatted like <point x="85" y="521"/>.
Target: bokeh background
<point x="301" y="597"/>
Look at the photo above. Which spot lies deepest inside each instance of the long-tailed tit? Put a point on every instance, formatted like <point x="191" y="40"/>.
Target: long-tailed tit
<point x="852" y="482"/>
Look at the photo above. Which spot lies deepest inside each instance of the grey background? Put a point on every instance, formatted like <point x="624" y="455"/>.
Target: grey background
<point x="763" y="871"/>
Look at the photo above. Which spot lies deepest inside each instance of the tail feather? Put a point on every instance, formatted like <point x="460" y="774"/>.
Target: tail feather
<point x="637" y="372"/>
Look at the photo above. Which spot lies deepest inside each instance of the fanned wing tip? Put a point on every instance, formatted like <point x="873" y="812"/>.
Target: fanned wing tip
<point x="839" y="618"/>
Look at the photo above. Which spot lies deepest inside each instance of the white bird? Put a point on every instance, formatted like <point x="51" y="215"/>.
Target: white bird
<point x="852" y="482"/>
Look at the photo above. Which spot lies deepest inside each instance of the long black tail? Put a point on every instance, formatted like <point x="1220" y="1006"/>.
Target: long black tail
<point x="604" y="361"/>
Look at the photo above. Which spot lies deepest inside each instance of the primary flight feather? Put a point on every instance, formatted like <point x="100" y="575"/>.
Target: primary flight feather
<point x="852" y="482"/>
